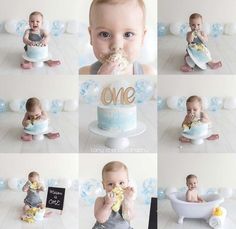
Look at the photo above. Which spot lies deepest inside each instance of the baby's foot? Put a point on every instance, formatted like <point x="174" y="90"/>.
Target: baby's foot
<point x="186" y="68"/>
<point x="213" y="137"/>
<point x="215" y="65"/>
<point x="53" y="135"/>
<point x="53" y="63"/>
<point x="26" y="137"/>
<point x="184" y="139"/>
<point x="26" y="65"/>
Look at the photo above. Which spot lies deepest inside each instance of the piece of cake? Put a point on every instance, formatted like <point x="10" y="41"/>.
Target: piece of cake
<point x="119" y="197"/>
<point x="37" y="51"/>
<point x="38" y="126"/>
<point x="119" y="118"/>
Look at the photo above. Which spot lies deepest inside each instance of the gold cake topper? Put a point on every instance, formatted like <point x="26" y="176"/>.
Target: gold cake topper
<point x="109" y="95"/>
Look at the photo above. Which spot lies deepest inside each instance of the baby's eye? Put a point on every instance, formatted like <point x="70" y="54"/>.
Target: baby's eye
<point x="110" y="184"/>
<point x="128" y="34"/>
<point x="104" y="34"/>
<point x="122" y="183"/>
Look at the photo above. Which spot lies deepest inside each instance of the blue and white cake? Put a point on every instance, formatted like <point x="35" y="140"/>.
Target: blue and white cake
<point x="197" y="129"/>
<point x="38" y="127"/>
<point x="37" y="52"/>
<point x="117" y="117"/>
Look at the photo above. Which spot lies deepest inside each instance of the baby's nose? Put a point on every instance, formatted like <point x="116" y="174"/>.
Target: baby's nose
<point x="117" y="44"/>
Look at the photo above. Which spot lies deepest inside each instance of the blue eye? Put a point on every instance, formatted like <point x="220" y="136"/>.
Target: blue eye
<point x="104" y="34"/>
<point x="128" y="34"/>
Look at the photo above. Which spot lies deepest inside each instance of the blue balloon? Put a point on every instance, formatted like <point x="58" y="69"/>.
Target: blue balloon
<point x="181" y="105"/>
<point x="52" y="183"/>
<point x="217" y="29"/>
<point x="3" y="106"/>
<point x="58" y="28"/>
<point x="183" y="29"/>
<point x="161" y="194"/>
<point x="162" y="29"/>
<point x="161" y="104"/>
<point x="21" y="27"/>
<point x="89" y="91"/>
<point x="215" y="104"/>
<point x="75" y="185"/>
<point x="90" y="190"/>
<point x="56" y="106"/>
<point x="20" y="184"/>
<point x="143" y="90"/>
<point x="149" y="189"/>
<point x="22" y="106"/>
<point x="3" y="184"/>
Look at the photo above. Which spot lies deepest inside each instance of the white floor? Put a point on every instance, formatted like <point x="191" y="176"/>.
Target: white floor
<point x="171" y="51"/>
<point x="167" y="219"/>
<point x="139" y="222"/>
<point x="169" y="129"/>
<point x="64" y="48"/>
<point x="65" y="123"/>
<point x="144" y="143"/>
<point x="11" y="204"/>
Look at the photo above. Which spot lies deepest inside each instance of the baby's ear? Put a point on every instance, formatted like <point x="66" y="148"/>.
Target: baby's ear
<point x="144" y="34"/>
<point x="89" y="30"/>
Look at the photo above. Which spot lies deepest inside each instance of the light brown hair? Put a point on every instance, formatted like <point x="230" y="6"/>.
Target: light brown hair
<point x="195" y="15"/>
<point x="36" y="13"/>
<point x="33" y="174"/>
<point x="113" y="166"/>
<point x="190" y="176"/>
<point x="194" y="98"/>
<point x="31" y="103"/>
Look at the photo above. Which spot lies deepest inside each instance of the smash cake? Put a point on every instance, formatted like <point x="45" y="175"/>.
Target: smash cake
<point x="37" y="51"/>
<point x="117" y="117"/>
<point x="38" y="126"/>
<point x="196" y="129"/>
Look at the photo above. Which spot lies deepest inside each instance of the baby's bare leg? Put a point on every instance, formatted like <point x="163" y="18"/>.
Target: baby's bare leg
<point x="186" y="67"/>
<point x="213" y="137"/>
<point x="184" y="139"/>
<point x="215" y="65"/>
<point x="53" y="63"/>
<point x="26" y="64"/>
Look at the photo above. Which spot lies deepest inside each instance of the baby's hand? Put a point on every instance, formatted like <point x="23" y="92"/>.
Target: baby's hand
<point x="44" y="42"/>
<point x="108" y="68"/>
<point x="110" y="199"/>
<point x="129" y="193"/>
<point x="189" y="118"/>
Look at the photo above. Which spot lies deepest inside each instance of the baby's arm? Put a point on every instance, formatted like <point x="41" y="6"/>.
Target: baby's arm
<point x="26" y="120"/>
<point x="128" y="204"/>
<point x="187" y="120"/>
<point x="26" y="186"/>
<point x="26" y="38"/>
<point x="202" y="36"/>
<point x="102" y="207"/>
<point x="205" y="118"/>
<point x="189" y="37"/>
<point x="46" y="37"/>
<point x="44" y="115"/>
<point x="188" y="196"/>
<point x="200" y="199"/>
<point x="40" y="188"/>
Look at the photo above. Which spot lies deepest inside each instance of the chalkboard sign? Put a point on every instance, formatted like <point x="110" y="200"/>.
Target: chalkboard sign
<point x="153" y="214"/>
<point x="55" y="198"/>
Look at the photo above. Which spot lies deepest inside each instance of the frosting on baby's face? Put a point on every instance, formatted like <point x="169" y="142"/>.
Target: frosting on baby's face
<point x="194" y="108"/>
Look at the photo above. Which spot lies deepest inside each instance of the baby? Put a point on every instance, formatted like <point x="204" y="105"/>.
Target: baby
<point x="192" y="193"/>
<point x="115" y="209"/>
<point x="117" y="30"/>
<point x="34" y="112"/>
<point x="195" y="114"/>
<point x="36" y="36"/>
<point x="33" y="187"/>
<point x="197" y="52"/>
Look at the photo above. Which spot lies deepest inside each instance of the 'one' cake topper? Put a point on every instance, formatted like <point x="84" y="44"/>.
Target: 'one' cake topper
<point x="124" y="96"/>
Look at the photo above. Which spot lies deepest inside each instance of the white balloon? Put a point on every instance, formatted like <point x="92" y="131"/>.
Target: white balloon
<point x="172" y="102"/>
<point x="65" y="183"/>
<point x="205" y="103"/>
<point x="15" y="105"/>
<point x="207" y="28"/>
<point x="174" y="28"/>
<point x="226" y="192"/>
<point x="170" y="190"/>
<point x="46" y="105"/>
<point x="10" y="26"/>
<point x="230" y="28"/>
<point x="47" y="25"/>
<point x="230" y="103"/>
<point x="12" y="183"/>
<point x="71" y="105"/>
<point x="72" y="27"/>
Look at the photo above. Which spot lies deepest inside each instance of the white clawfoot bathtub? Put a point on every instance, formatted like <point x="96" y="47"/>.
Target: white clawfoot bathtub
<point x="186" y="209"/>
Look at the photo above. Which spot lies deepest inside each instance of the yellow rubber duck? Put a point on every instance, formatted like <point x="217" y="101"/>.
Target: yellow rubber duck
<point x="217" y="211"/>
<point x="119" y="196"/>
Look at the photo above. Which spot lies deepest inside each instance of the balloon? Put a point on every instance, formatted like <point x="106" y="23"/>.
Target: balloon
<point x="3" y="184"/>
<point x="179" y="28"/>
<point x="149" y="189"/>
<point x="20" y="184"/>
<point x="160" y="103"/>
<point x="70" y="105"/>
<point x="65" y="183"/>
<point x="90" y="190"/>
<point x="46" y="105"/>
<point x="58" y="28"/>
<point x="230" y="28"/>
<point x="47" y="25"/>
<point x="171" y="190"/>
<point x="206" y="28"/>
<point x="3" y="107"/>
<point x="172" y="102"/>
<point x="144" y="90"/>
<point x="215" y="103"/>
<point x="226" y="192"/>
<point x="21" y="26"/>
<point x="56" y="106"/>
<point x="10" y="26"/>
<point x="230" y="103"/>
<point x="162" y="29"/>
<point x="17" y="105"/>
<point x="72" y="27"/>
<point x="216" y="29"/>
<point x="161" y="193"/>
<point x="13" y="183"/>
<point x="89" y="91"/>
<point x="181" y="105"/>
<point x="52" y="183"/>
<point x="75" y="185"/>
<point x="205" y="103"/>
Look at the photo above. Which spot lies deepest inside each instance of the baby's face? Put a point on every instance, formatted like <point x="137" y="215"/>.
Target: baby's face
<point x="114" y="179"/>
<point x="35" y="113"/>
<point x="35" y="22"/>
<point x="194" y="109"/>
<point x="195" y="24"/>
<point x="192" y="183"/>
<point x="117" y="27"/>
<point x="34" y="179"/>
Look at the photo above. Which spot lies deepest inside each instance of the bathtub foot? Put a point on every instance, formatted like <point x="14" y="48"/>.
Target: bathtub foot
<point x="181" y="220"/>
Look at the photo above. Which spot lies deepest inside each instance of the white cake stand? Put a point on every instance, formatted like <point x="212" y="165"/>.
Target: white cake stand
<point x="197" y="140"/>
<point x="38" y="135"/>
<point x="117" y="139"/>
<point x="37" y="63"/>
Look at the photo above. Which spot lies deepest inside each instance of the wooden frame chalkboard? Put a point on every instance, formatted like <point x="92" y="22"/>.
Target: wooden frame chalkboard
<point x="55" y="198"/>
<point x="153" y="214"/>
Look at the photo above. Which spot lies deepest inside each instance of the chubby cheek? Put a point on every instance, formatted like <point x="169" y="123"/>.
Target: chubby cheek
<point x="132" y="50"/>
